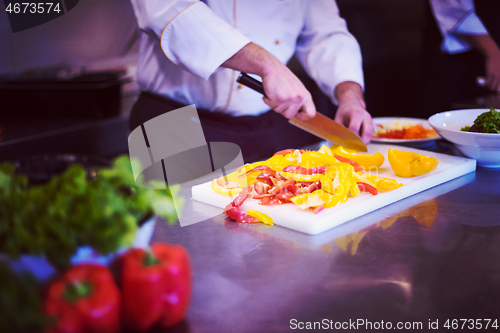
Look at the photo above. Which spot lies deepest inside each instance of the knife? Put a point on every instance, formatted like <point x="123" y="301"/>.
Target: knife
<point x="320" y="125"/>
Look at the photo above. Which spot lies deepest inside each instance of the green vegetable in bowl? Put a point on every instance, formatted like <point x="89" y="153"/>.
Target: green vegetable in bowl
<point x="73" y="210"/>
<point x="487" y="122"/>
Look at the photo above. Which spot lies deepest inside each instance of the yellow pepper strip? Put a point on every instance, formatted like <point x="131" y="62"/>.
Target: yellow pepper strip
<point x="326" y="150"/>
<point x="408" y="164"/>
<point x="321" y="158"/>
<point x="266" y="219"/>
<point x="340" y="180"/>
<point x="223" y="190"/>
<point x="310" y="160"/>
<point x="382" y="184"/>
<point x="366" y="161"/>
<point x="313" y="199"/>
<point x="300" y="177"/>
<point x="278" y="162"/>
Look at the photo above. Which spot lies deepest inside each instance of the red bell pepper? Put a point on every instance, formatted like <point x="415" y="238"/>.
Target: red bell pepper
<point x="84" y="300"/>
<point x="156" y="286"/>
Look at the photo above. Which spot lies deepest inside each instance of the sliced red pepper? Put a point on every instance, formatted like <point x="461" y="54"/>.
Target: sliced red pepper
<point x="238" y="201"/>
<point x="301" y="170"/>
<point x="284" y="196"/>
<point x="261" y="188"/>
<point x="364" y="187"/>
<point x="309" y="188"/>
<point x="320" y="169"/>
<point x="267" y="201"/>
<point x="234" y="212"/>
<point x="318" y="209"/>
<point x="295" y="169"/>
<point x="266" y="178"/>
<point x="85" y="299"/>
<point x="261" y="168"/>
<point x="240" y="216"/>
<point x="156" y="286"/>
<point x="281" y="185"/>
<point x="355" y="164"/>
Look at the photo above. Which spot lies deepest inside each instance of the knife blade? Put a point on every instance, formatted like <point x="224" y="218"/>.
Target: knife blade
<point x="320" y="125"/>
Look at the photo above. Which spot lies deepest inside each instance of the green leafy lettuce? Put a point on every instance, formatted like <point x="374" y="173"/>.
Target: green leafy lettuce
<point x="487" y="122"/>
<point x="74" y="209"/>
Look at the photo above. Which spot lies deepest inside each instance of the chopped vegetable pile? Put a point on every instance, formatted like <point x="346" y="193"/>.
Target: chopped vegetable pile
<point x="74" y="210"/>
<point x="312" y="180"/>
<point x="487" y="122"/>
<point x="403" y="130"/>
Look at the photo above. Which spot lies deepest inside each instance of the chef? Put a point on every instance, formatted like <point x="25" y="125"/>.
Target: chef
<point x="191" y="52"/>
<point x="463" y="30"/>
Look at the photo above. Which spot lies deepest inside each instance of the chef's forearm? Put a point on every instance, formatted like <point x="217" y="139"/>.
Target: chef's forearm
<point x="285" y="93"/>
<point x="253" y="59"/>
<point x="484" y="44"/>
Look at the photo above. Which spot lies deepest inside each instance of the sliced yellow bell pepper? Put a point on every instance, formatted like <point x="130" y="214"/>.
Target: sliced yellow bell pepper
<point x="266" y="219"/>
<point x="409" y="164"/>
<point x="326" y="150"/>
<point x="223" y="190"/>
<point x="340" y="180"/>
<point x="367" y="161"/>
<point x="320" y="158"/>
<point x="382" y="184"/>
<point x="313" y="199"/>
<point x="301" y="177"/>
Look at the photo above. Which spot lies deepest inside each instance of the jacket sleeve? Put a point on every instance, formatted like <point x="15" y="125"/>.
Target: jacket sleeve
<point x="326" y="49"/>
<point x="454" y="18"/>
<point x="192" y="36"/>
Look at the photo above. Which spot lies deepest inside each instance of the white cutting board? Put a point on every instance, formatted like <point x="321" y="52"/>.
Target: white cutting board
<point x="290" y="216"/>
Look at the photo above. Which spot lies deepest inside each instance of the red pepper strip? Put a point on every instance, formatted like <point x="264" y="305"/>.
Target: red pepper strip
<point x="355" y="164"/>
<point x="234" y="212"/>
<point x="260" y="196"/>
<point x="318" y="209"/>
<point x="270" y="201"/>
<point x="240" y="199"/>
<point x="284" y="196"/>
<point x="295" y="169"/>
<point x="288" y="151"/>
<point x="266" y="178"/>
<point x="301" y="170"/>
<point x="262" y="168"/>
<point x="309" y="188"/>
<point x="364" y="187"/>
<point x="281" y="185"/>
<point x="85" y="299"/>
<point x="321" y="170"/>
<point x="261" y="188"/>
<point x="156" y="286"/>
<point x="240" y="216"/>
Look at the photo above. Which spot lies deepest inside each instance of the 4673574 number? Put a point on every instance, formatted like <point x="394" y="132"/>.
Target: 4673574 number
<point x="33" y="8"/>
<point x="471" y="324"/>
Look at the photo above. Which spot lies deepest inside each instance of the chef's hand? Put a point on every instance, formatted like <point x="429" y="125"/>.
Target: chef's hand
<point x="491" y="53"/>
<point x="352" y="110"/>
<point x="493" y="73"/>
<point x="285" y="93"/>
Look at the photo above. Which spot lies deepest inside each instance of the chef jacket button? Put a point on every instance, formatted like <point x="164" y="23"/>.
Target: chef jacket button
<point x="277" y="41"/>
<point x="240" y="86"/>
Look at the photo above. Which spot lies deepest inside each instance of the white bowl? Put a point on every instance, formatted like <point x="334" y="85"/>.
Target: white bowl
<point x="483" y="147"/>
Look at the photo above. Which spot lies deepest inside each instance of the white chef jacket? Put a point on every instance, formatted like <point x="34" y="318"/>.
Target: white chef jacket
<point x="455" y="17"/>
<point x="184" y="42"/>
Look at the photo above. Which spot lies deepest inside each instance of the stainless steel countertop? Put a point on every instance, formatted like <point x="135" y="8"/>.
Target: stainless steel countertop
<point x="432" y="256"/>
